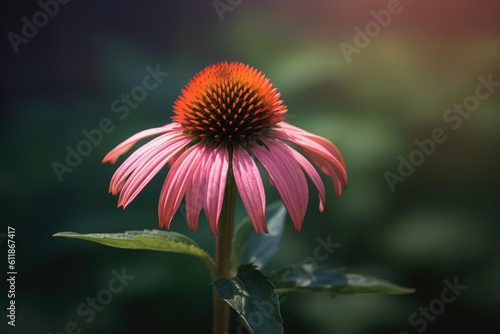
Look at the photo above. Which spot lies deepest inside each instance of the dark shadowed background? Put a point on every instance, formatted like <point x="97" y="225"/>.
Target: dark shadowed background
<point x="374" y="96"/>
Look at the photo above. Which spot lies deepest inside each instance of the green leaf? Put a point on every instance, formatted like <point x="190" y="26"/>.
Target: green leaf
<point x="252" y="296"/>
<point x="249" y="247"/>
<point x="304" y="277"/>
<point x="157" y="240"/>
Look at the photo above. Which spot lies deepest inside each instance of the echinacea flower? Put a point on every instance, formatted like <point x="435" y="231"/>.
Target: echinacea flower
<point x="228" y="117"/>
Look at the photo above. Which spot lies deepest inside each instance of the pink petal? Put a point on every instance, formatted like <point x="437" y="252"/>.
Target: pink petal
<point x="178" y="180"/>
<point x="327" y="162"/>
<point x="320" y="140"/>
<point x="126" y="145"/>
<point x="325" y="166"/>
<point x="216" y="174"/>
<point x="250" y="187"/>
<point x="313" y="175"/>
<point x="197" y="192"/>
<point x="148" y="166"/>
<point x="131" y="163"/>
<point x="287" y="176"/>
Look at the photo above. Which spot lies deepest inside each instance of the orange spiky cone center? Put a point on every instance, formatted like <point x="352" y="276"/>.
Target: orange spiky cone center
<point x="229" y="102"/>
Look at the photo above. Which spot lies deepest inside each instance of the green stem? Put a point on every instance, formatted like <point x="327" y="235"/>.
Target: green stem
<point x="223" y="253"/>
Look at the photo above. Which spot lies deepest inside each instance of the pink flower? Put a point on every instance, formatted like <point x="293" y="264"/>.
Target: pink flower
<point x="228" y="117"/>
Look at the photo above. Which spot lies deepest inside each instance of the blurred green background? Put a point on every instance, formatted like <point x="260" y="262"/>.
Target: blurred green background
<point x="440" y="223"/>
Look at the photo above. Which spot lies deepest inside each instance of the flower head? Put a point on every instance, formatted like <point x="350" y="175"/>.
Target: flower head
<point x="228" y="117"/>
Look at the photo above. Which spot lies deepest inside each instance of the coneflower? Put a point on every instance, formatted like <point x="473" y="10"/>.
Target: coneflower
<point x="228" y="117"/>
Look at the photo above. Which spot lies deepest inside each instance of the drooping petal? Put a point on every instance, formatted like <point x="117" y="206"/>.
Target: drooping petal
<point x="250" y="187"/>
<point x="325" y="166"/>
<point x="313" y="175"/>
<point x="197" y="192"/>
<point x="126" y="145"/>
<point x="320" y="140"/>
<point x="325" y="161"/>
<point x="148" y="167"/>
<point x="131" y="163"/>
<point x="216" y="174"/>
<point x="287" y="176"/>
<point x="306" y="143"/>
<point x="178" y="180"/>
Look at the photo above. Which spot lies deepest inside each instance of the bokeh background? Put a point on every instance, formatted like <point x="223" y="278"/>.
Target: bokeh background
<point x="440" y="223"/>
